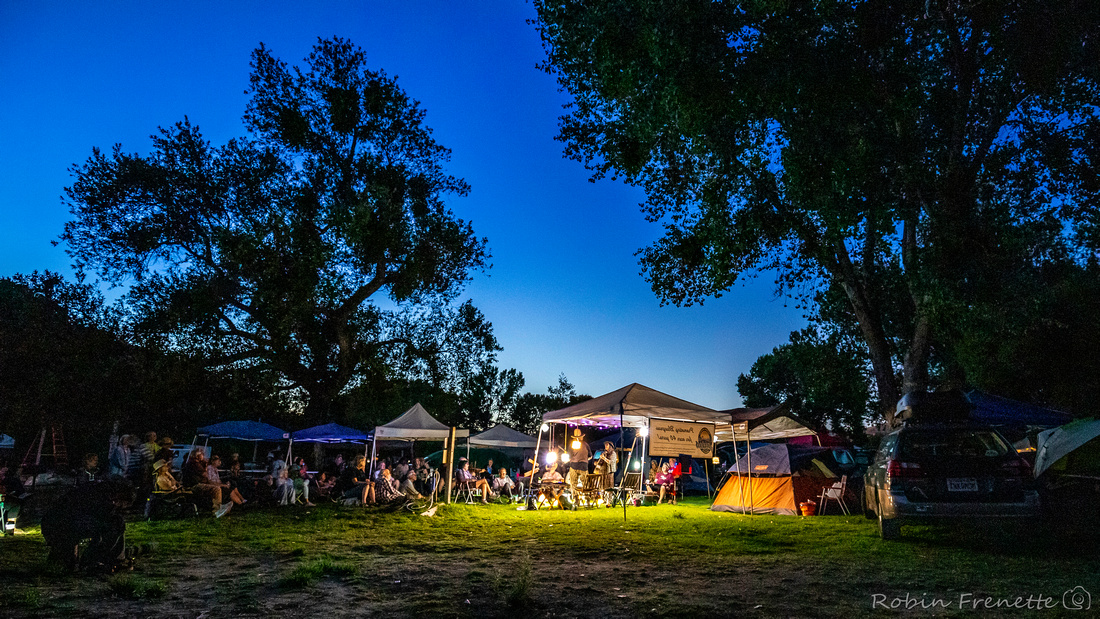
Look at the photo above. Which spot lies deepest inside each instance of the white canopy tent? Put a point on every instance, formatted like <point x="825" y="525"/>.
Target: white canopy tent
<point x="501" y="435"/>
<point x="633" y="406"/>
<point x="414" y="424"/>
<point x="1055" y="444"/>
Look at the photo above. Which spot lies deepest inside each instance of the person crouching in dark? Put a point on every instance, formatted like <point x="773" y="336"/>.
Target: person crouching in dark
<point x="92" y="512"/>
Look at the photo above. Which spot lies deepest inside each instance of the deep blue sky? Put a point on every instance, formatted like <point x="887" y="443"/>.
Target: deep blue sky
<point x="564" y="293"/>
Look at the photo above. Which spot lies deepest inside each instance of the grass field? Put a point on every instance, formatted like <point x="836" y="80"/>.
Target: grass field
<point x="495" y="561"/>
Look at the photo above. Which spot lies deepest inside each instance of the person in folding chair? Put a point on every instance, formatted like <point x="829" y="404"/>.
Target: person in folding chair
<point x="472" y="482"/>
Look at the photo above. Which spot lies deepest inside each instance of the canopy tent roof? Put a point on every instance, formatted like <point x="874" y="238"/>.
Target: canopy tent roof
<point x="634" y="405"/>
<point x="501" y="435"/>
<point x="6" y="442"/>
<point x="244" y="431"/>
<point x="1057" y="443"/>
<point x="416" y="423"/>
<point x="998" y="411"/>
<point x="769" y="424"/>
<point x="330" y="433"/>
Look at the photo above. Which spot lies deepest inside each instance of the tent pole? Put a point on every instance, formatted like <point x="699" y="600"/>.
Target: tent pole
<point x="740" y="481"/>
<point x="752" y="500"/>
<point x="373" y="444"/>
<point x="621" y="430"/>
<point x="450" y="453"/>
<point x="706" y="470"/>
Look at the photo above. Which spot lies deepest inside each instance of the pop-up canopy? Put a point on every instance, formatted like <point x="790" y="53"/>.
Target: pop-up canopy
<point x="768" y="424"/>
<point x="1058" y="443"/>
<point x="330" y="433"/>
<point x="633" y="406"/>
<point x="414" y="424"/>
<point x="6" y="442"/>
<point x="244" y="431"/>
<point x="501" y="435"/>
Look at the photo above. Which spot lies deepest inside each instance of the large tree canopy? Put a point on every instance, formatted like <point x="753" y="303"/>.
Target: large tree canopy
<point x="925" y="149"/>
<point x="320" y="246"/>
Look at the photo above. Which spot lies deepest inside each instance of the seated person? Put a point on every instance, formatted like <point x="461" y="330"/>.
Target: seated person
<point x="552" y="486"/>
<point x="283" y="487"/>
<point x="465" y="478"/>
<point x="408" y="487"/>
<point x="164" y="480"/>
<point x="301" y="483"/>
<point x="195" y="479"/>
<point x="425" y="477"/>
<point x="355" y="483"/>
<point x="215" y="478"/>
<point x="662" y="483"/>
<point x="487" y="472"/>
<point x="503" y="485"/>
<point x="323" y="484"/>
<point x="386" y="489"/>
<point x="90" y="471"/>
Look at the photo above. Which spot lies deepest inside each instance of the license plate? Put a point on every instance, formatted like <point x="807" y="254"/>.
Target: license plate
<point x="966" y="484"/>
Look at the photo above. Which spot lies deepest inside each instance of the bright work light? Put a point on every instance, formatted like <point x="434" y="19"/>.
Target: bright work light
<point x="643" y="431"/>
<point x="551" y="457"/>
<point x="545" y="427"/>
<point x="575" y="445"/>
<point x="565" y="458"/>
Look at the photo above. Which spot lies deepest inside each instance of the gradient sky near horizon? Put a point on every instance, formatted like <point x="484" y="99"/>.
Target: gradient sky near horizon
<point x="564" y="294"/>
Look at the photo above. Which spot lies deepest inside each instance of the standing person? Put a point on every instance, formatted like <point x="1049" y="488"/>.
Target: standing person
<point x="165" y="451"/>
<point x="610" y="456"/>
<point x="152" y="445"/>
<point x="120" y="456"/>
<point x="139" y="468"/>
<point x="578" y="460"/>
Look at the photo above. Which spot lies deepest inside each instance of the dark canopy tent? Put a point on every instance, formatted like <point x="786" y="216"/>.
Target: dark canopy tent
<point x="997" y="411"/>
<point x="330" y="433"/>
<point x="769" y="424"/>
<point x="254" y="431"/>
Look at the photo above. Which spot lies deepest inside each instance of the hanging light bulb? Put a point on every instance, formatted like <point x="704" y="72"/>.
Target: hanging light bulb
<point x="565" y="458"/>
<point x="545" y="427"/>
<point x="551" y="457"/>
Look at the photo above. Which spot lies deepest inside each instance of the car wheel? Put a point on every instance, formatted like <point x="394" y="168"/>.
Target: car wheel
<point x="889" y="528"/>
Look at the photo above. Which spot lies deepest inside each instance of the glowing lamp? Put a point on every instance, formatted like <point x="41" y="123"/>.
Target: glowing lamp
<point x="551" y="457"/>
<point x="575" y="445"/>
<point x="637" y="465"/>
<point x="545" y="427"/>
<point x="565" y="458"/>
<point x="643" y="431"/>
<point x="714" y="460"/>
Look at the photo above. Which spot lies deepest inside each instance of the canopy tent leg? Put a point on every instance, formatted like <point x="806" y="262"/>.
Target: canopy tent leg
<point x="373" y="453"/>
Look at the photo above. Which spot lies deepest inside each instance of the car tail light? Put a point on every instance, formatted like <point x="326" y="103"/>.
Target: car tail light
<point x="897" y="469"/>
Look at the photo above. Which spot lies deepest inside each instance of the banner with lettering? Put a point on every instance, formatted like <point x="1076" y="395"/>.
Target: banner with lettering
<point x="672" y="438"/>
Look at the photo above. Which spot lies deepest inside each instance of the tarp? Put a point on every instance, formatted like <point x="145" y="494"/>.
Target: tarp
<point x="501" y="435"/>
<point x="244" y="431"/>
<point x="997" y="411"/>
<point x="6" y="442"/>
<point x="635" y="405"/>
<point x="769" y="424"/>
<point x="1058" y="443"/>
<point x="329" y="433"/>
<point x="416" y="423"/>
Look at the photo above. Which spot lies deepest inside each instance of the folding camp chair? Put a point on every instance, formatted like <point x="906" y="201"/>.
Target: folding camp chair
<point x="588" y="494"/>
<point x="836" y="493"/>
<point x="466" y="491"/>
<point x="629" y="489"/>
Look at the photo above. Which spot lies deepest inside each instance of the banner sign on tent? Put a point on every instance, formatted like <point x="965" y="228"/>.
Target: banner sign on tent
<point x="672" y="438"/>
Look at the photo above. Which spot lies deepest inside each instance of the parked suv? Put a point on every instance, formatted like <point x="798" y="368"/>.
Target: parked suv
<point x="926" y="472"/>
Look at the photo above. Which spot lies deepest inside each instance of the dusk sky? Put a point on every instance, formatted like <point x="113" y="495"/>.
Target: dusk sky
<point x="564" y="293"/>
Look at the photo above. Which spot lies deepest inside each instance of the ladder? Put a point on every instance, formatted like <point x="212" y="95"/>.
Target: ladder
<point x="58" y="452"/>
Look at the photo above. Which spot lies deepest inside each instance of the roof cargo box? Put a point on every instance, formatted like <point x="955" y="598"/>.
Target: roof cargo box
<point x="938" y="407"/>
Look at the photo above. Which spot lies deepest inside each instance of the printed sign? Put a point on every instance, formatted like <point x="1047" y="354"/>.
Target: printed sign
<point x="672" y="438"/>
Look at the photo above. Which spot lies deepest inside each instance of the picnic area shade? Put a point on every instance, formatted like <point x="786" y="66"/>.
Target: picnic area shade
<point x="244" y="431"/>
<point x="634" y="405"/>
<point x="998" y="411"/>
<point x="6" y="442"/>
<point x="414" y="424"/>
<point x="501" y="435"/>
<point x="330" y="433"/>
<point x="769" y="424"/>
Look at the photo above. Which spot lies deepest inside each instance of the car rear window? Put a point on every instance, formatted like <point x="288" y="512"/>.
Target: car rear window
<point x="952" y="443"/>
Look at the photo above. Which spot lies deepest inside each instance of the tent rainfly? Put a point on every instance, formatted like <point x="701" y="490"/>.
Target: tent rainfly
<point x="501" y="435"/>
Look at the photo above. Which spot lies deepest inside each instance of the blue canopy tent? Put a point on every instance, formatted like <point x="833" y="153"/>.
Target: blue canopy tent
<point x="255" y="431"/>
<point x="330" y="433"/>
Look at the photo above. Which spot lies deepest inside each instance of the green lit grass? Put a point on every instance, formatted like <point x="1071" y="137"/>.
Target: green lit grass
<point x="486" y="561"/>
